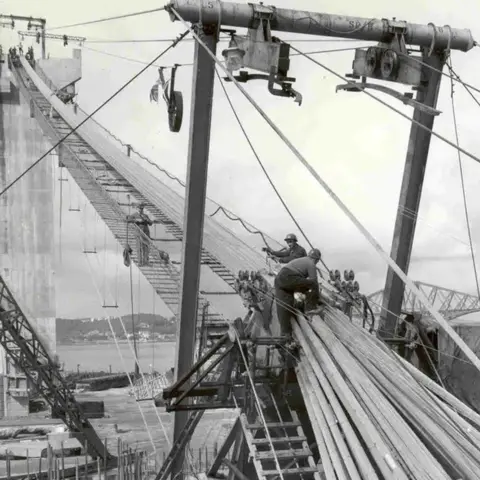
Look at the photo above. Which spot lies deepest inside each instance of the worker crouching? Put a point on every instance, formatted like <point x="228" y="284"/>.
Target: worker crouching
<point x="299" y="275"/>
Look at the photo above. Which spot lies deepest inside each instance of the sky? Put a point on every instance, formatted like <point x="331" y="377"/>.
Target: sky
<point x="356" y="144"/>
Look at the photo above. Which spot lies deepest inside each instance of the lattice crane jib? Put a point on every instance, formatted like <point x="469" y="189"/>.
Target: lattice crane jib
<point x="451" y="303"/>
<point x="22" y="344"/>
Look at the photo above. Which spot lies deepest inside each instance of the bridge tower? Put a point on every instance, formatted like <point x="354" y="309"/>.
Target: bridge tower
<point x="27" y="239"/>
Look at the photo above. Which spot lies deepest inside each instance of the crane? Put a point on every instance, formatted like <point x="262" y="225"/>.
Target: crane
<point x="21" y="342"/>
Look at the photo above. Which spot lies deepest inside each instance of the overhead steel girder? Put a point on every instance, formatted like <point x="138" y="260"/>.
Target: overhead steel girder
<point x="451" y="303"/>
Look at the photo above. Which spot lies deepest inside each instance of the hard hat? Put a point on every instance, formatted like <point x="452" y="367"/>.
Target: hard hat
<point x="292" y="237"/>
<point x="315" y="254"/>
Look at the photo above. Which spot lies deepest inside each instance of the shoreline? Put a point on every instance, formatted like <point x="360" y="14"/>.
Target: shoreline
<point x="111" y="342"/>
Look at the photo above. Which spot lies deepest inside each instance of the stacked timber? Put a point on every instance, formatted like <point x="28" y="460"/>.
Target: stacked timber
<point x="375" y="416"/>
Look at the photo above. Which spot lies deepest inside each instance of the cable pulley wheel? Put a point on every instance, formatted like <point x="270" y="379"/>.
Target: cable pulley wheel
<point x="389" y="64"/>
<point x="175" y="112"/>
<point x="371" y="61"/>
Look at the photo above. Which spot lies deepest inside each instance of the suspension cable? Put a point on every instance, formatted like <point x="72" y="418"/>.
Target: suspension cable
<point x="73" y="130"/>
<point x="108" y="19"/>
<point x="462" y="180"/>
<point x="406" y="279"/>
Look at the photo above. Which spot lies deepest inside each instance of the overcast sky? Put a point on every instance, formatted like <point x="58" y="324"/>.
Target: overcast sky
<point x="357" y="145"/>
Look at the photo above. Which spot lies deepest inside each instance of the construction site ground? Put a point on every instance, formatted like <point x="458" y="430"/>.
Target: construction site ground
<point x="123" y="420"/>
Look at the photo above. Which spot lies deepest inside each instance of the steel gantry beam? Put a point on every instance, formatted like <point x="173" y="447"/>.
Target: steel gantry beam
<point x="245" y="15"/>
<point x="41" y="21"/>
<point x="211" y="15"/>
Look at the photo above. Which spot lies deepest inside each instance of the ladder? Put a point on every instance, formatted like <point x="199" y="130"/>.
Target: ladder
<point x="179" y="445"/>
<point x="289" y="447"/>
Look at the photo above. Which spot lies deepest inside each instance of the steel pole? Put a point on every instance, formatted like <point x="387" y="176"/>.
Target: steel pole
<point x="245" y="15"/>
<point x="410" y="194"/>
<point x="44" y="49"/>
<point x="195" y="195"/>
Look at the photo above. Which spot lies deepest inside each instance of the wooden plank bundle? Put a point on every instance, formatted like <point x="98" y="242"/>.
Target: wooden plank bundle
<point x="374" y="415"/>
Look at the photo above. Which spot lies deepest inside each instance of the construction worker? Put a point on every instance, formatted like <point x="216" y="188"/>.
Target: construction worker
<point x="143" y="222"/>
<point x="299" y="275"/>
<point x="293" y="250"/>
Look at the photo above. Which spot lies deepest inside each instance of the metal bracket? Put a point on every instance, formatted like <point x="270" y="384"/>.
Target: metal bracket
<point x="262" y="13"/>
<point x="405" y="98"/>
<point x="286" y="85"/>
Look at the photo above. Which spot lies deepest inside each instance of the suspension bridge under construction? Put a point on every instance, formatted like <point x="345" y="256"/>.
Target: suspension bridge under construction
<point x="345" y="400"/>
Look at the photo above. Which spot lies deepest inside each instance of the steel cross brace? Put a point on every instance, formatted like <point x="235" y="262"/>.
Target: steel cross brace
<point x="176" y="391"/>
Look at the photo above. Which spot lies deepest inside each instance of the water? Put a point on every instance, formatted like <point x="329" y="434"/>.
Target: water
<point x="103" y="356"/>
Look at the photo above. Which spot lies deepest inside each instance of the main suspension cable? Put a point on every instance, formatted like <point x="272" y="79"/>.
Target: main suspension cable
<point x="462" y="180"/>
<point x="73" y="130"/>
<point x="108" y="19"/>
<point x="390" y="262"/>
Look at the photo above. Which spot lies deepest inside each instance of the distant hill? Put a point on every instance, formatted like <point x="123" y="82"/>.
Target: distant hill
<point x="82" y="329"/>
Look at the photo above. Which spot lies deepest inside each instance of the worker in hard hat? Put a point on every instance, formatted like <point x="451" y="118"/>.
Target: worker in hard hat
<point x="299" y="275"/>
<point x="293" y="250"/>
<point x="143" y="222"/>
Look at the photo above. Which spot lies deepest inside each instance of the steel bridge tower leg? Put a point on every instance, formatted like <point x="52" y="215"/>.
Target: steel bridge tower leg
<point x="411" y="191"/>
<point x="195" y="195"/>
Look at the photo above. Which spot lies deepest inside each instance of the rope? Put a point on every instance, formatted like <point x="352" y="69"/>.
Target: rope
<point x="121" y="57"/>
<point x="438" y="317"/>
<point x="466" y="86"/>
<point x="108" y="19"/>
<point x="224" y="38"/>
<point x="73" y="130"/>
<point x="441" y="72"/>
<point x="140" y="370"/>
<point x="462" y="180"/>
<point x="260" y="163"/>
<point x="252" y="148"/>
<point x="119" y="351"/>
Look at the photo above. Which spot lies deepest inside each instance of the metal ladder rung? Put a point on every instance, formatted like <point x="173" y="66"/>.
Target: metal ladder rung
<point x="290" y="471"/>
<point x="261" y="426"/>
<point x="266" y="441"/>
<point x="283" y="454"/>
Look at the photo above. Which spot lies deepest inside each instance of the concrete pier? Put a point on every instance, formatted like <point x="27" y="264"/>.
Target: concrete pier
<point x="27" y="248"/>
